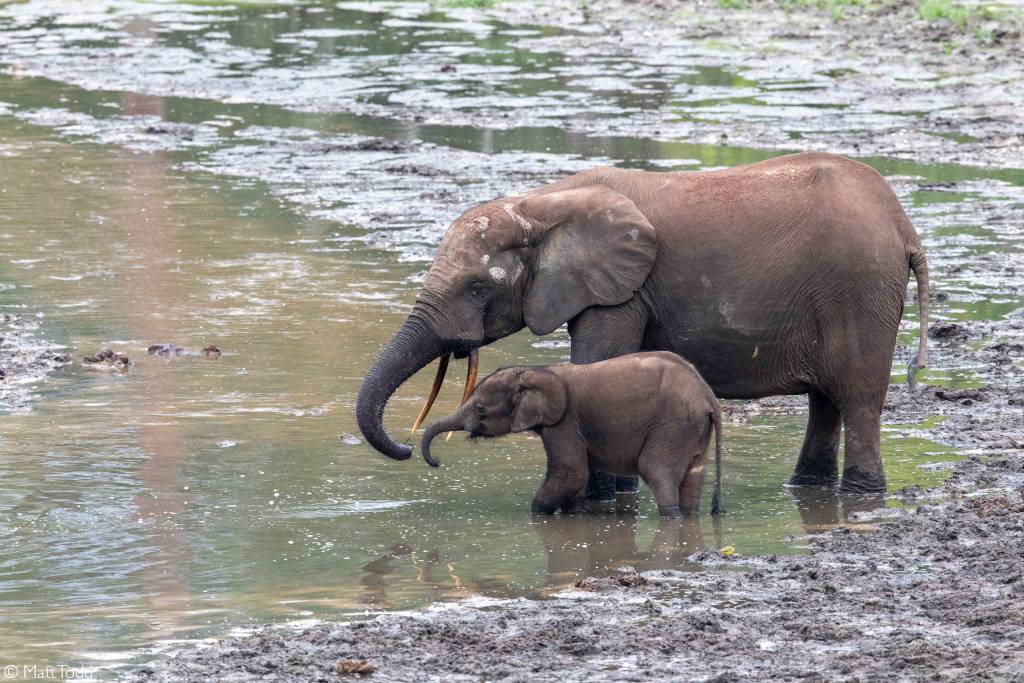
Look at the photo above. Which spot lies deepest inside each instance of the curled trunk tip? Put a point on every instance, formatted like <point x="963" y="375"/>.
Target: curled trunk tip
<point x="412" y="347"/>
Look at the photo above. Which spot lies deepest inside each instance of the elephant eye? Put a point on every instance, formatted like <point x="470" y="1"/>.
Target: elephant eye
<point x="479" y="290"/>
<point x="481" y="411"/>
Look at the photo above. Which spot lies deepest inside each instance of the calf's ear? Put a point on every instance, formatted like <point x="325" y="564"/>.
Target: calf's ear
<point x="539" y="400"/>
<point x="594" y="248"/>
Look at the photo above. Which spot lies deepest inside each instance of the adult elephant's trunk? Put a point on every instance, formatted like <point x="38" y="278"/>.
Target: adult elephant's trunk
<point x="452" y="423"/>
<point x="413" y="346"/>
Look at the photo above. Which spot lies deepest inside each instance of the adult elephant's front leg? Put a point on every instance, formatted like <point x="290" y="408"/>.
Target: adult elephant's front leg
<point x="818" y="464"/>
<point x="600" y="333"/>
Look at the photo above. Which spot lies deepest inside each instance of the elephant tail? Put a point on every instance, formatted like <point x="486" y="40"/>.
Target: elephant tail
<point x="919" y="264"/>
<point x="717" y="508"/>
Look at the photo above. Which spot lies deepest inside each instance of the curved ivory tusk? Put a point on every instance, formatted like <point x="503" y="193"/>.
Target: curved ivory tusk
<point x="471" y="371"/>
<point x="474" y="364"/>
<point x="442" y="368"/>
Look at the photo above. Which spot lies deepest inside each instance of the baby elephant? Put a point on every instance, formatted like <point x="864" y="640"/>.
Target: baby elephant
<point x="647" y="413"/>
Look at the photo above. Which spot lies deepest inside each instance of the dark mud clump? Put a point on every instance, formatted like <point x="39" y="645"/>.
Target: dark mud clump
<point x="107" y="359"/>
<point x="948" y="331"/>
<point x="166" y="350"/>
<point x="211" y="352"/>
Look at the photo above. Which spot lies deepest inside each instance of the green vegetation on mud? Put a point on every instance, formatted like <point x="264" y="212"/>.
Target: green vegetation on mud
<point x="985" y="22"/>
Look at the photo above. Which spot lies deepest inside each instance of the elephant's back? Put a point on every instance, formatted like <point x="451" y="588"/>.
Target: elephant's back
<point x="638" y="376"/>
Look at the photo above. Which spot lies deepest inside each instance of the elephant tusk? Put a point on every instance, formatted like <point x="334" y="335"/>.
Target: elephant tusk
<point x="471" y="371"/>
<point x="442" y="368"/>
<point x="474" y="364"/>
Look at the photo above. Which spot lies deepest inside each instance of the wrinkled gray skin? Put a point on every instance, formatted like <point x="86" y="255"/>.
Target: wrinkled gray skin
<point x="786" y="276"/>
<point x="645" y="413"/>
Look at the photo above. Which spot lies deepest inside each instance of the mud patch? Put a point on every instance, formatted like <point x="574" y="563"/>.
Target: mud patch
<point x="25" y="360"/>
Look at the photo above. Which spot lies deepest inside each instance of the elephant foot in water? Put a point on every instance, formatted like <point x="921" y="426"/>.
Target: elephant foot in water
<point x="859" y="481"/>
<point x="811" y="479"/>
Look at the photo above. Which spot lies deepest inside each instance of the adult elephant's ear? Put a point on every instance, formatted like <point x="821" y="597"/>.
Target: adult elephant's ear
<point x="595" y="248"/>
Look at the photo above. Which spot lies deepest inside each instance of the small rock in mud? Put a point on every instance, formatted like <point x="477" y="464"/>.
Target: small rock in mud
<point x="910" y="492"/>
<point x="377" y="145"/>
<point x="165" y="350"/>
<point x="998" y="505"/>
<point x="414" y="169"/>
<point x="961" y="395"/>
<point x="354" y="666"/>
<point x="630" y="580"/>
<point x="350" y="439"/>
<point x="211" y="352"/>
<point x="948" y="331"/>
<point x="107" y="359"/>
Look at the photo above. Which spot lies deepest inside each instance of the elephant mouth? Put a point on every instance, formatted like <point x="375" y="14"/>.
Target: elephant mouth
<point x="472" y="368"/>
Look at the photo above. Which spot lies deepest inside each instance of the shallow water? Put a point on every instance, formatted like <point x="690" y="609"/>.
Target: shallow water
<point x="188" y="497"/>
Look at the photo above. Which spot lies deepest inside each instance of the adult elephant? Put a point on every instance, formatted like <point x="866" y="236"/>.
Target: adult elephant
<point x="787" y="276"/>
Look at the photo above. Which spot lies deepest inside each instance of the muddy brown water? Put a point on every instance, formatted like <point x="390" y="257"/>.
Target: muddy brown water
<point x="187" y="498"/>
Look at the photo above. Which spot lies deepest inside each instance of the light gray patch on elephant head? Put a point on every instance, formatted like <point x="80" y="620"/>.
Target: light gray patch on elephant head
<point x="479" y="225"/>
<point x="510" y="209"/>
<point x="498" y="274"/>
<point x="635" y="234"/>
<point x="610" y="217"/>
<point x="705" y="280"/>
<point x="485" y="259"/>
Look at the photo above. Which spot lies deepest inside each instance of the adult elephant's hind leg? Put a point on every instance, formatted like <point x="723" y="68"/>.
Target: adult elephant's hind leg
<point x="818" y="464"/>
<point x="862" y="454"/>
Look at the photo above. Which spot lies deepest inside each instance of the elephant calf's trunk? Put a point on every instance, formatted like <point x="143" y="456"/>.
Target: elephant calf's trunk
<point x="452" y="423"/>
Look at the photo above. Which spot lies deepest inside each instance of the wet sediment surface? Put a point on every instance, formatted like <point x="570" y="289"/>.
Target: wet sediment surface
<point x="180" y="174"/>
<point x="932" y="596"/>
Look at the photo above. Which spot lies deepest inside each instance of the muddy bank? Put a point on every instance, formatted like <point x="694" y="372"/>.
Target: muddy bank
<point x="890" y="78"/>
<point x="860" y="79"/>
<point x="934" y="595"/>
<point x="25" y="360"/>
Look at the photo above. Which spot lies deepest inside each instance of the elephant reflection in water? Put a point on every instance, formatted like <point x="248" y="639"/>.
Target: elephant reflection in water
<point x="586" y="545"/>
<point x="376" y="573"/>
<point x="822" y="509"/>
<point x="443" y="585"/>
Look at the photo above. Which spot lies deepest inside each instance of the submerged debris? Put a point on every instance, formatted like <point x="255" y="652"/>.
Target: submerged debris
<point x="166" y="350"/>
<point x="169" y="350"/>
<point x="107" y="359"/>
<point x="350" y="439"/>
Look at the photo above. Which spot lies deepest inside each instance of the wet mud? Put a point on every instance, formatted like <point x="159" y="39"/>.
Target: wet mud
<point x="879" y="80"/>
<point x="26" y="360"/>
